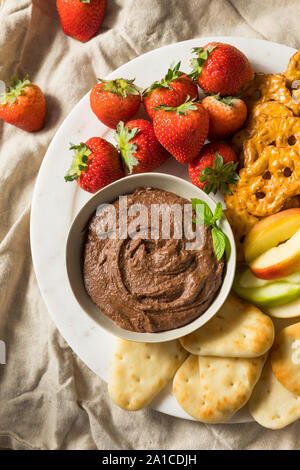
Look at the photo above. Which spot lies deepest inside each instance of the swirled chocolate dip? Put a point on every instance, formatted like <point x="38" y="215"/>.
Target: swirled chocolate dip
<point x="146" y="284"/>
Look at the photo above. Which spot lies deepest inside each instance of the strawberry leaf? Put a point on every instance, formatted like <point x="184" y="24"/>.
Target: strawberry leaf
<point x="126" y="148"/>
<point x="172" y="75"/>
<point x="15" y="90"/>
<point x="120" y="87"/>
<point x="197" y="64"/>
<point x="220" y="176"/>
<point x="79" y="162"/>
<point x="182" y="109"/>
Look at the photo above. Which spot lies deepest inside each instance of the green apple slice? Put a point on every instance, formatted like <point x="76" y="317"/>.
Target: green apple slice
<point x="248" y="279"/>
<point x="269" y="295"/>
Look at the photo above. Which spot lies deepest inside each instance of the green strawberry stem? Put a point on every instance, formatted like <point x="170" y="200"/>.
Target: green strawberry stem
<point x="171" y="75"/>
<point x="226" y="99"/>
<point x="79" y="162"/>
<point x="197" y="64"/>
<point x="188" y="105"/>
<point x="123" y="136"/>
<point x="121" y="87"/>
<point x="14" y="91"/>
<point x="220" y="176"/>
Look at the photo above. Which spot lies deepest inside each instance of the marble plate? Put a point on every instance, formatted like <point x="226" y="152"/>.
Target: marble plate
<point x="55" y="203"/>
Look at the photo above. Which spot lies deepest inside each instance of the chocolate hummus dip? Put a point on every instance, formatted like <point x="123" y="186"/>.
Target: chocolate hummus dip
<point x="146" y="284"/>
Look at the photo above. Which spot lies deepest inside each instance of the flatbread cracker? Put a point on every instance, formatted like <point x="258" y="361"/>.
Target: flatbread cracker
<point x="139" y="371"/>
<point x="285" y="358"/>
<point x="239" y="329"/>
<point x="272" y="405"/>
<point x="213" y="389"/>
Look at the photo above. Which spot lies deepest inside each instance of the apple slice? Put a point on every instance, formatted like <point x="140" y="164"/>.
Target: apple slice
<point x="293" y="278"/>
<point x="248" y="279"/>
<point x="290" y="310"/>
<point x="269" y="295"/>
<point x="280" y="261"/>
<point x="271" y="231"/>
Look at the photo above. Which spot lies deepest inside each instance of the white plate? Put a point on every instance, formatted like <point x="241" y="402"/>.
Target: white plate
<point x="55" y="202"/>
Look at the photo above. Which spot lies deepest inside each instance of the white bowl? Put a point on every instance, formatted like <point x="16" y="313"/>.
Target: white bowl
<point x="76" y="238"/>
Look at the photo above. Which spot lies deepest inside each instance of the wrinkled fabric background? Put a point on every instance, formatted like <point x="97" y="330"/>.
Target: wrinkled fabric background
<point x="48" y="398"/>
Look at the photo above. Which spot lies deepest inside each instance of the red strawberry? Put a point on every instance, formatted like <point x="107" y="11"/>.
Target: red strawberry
<point x="139" y="147"/>
<point x="170" y="91"/>
<point x="95" y="164"/>
<point x="226" y="115"/>
<point x="220" y="68"/>
<point x="115" y="100"/>
<point x="215" y="168"/>
<point x="81" y="19"/>
<point x="182" y="130"/>
<point x="24" y="105"/>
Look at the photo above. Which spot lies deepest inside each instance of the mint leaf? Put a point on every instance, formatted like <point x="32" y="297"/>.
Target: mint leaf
<point x="219" y="242"/>
<point x="218" y="213"/>
<point x="203" y="211"/>
<point x="205" y="216"/>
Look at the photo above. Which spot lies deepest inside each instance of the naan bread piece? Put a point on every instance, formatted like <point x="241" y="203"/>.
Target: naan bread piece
<point x="139" y="371"/>
<point x="239" y="329"/>
<point x="285" y="358"/>
<point x="213" y="389"/>
<point x="272" y="405"/>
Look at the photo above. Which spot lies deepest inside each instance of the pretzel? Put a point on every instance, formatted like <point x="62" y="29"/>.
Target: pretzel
<point x="292" y="72"/>
<point x="292" y="202"/>
<point x="278" y="132"/>
<point x="269" y="150"/>
<point x="265" y="186"/>
<point x="267" y="87"/>
<point x="259" y="114"/>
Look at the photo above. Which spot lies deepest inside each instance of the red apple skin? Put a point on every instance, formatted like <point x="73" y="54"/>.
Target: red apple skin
<point x="271" y="231"/>
<point x="279" y="270"/>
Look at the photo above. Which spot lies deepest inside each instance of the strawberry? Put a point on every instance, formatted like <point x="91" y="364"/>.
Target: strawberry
<point x="115" y="100"/>
<point x="172" y="90"/>
<point x="81" y="19"/>
<point x="96" y="163"/>
<point x="182" y="130"/>
<point x="214" y="168"/>
<point x="139" y="147"/>
<point x="24" y="105"/>
<point x="226" y="115"/>
<point x="220" y="68"/>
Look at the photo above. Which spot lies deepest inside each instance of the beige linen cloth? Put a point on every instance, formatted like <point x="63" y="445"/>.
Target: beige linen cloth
<point x="48" y="398"/>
